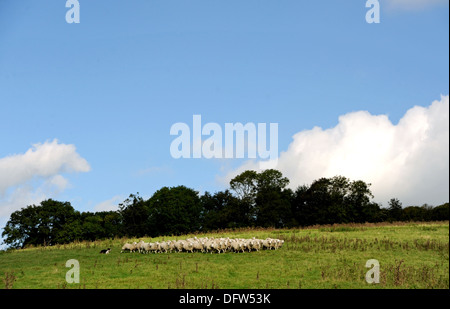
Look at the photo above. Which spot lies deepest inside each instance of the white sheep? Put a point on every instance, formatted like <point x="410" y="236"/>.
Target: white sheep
<point x="171" y="246"/>
<point x="210" y="245"/>
<point x="255" y="244"/>
<point x="278" y="243"/>
<point x="163" y="246"/>
<point x="179" y="245"/>
<point x="219" y="245"/>
<point x="266" y="243"/>
<point x="146" y="248"/>
<point x="198" y="246"/>
<point x="236" y="245"/>
<point x="188" y="246"/>
<point x="129" y="247"/>
<point x="154" y="247"/>
<point x="205" y="244"/>
<point x="140" y="246"/>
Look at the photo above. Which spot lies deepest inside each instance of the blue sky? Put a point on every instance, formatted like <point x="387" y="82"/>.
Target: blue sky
<point x="114" y="84"/>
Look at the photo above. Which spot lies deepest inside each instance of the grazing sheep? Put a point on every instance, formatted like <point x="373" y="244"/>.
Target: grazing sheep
<point x="164" y="247"/>
<point x="188" y="246"/>
<point x="129" y="247"/>
<point x="179" y="245"/>
<point x="266" y="243"/>
<point x="152" y="247"/>
<point x="140" y="246"/>
<point x="223" y="245"/>
<point x="170" y="246"/>
<point x="158" y="247"/>
<point x="218" y="246"/>
<point x="255" y="244"/>
<point x="210" y="245"/>
<point x="273" y="243"/>
<point x="204" y="245"/>
<point x="198" y="246"/>
<point x="145" y="248"/>
<point x="243" y="246"/>
<point x="278" y="243"/>
<point x="236" y="246"/>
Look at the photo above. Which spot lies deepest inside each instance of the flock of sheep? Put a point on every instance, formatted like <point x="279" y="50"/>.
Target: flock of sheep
<point x="205" y="244"/>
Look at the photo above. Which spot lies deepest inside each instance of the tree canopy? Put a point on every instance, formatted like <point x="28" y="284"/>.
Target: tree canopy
<point x="254" y="199"/>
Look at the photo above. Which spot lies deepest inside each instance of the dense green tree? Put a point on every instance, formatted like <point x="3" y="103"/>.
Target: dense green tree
<point x="213" y="215"/>
<point x="134" y="213"/>
<point x="43" y="224"/>
<point x="374" y="213"/>
<point x="395" y="210"/>
<point x="358" y="202"/>
<point x="22" y="228"/>
<point x="91" y="226"/>
<point x="262" y="199"/>
<point x="411" y="213"/>
<point x="174" y="211"/>
<point x="273" y="200"/>
<point x="245" y="186"/>
<point x="333" y="200"/>
<point x="440" y="213"/>
<point x="223" y="210"/>
<point x="271" y="179"/>
<point x="112" y="223"/>
<point x="274" y="208"/>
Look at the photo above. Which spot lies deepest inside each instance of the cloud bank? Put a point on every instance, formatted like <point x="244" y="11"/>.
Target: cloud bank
<point x="408" y="160"/>
<point x="36" y="175"/>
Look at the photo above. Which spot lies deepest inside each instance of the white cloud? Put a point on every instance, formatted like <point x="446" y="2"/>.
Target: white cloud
<point x="42" y="160"/>
<point x="20" y="197"/>
<point x="412" y="4"/>
<point x="31" y="177"/>
<point x="111" y="204"/>
<point x="409" y="160"/>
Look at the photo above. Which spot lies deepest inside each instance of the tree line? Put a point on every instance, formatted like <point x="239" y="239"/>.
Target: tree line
<point x="252" y="200"/>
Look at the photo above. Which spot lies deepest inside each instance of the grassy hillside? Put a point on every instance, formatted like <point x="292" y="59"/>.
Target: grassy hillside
<point x="413" y="255"/>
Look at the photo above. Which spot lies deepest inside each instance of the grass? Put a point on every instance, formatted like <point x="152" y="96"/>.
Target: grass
<point x="411" y="255"/>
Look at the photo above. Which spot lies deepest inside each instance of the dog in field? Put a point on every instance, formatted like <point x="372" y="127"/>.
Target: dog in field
<point x="105" y="251"/>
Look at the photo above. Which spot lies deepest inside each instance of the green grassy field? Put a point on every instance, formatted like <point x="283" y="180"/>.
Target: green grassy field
<point x="411" y="255"/>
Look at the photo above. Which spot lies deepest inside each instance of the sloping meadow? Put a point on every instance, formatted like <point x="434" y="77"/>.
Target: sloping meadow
<point x="410" y="255"/>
